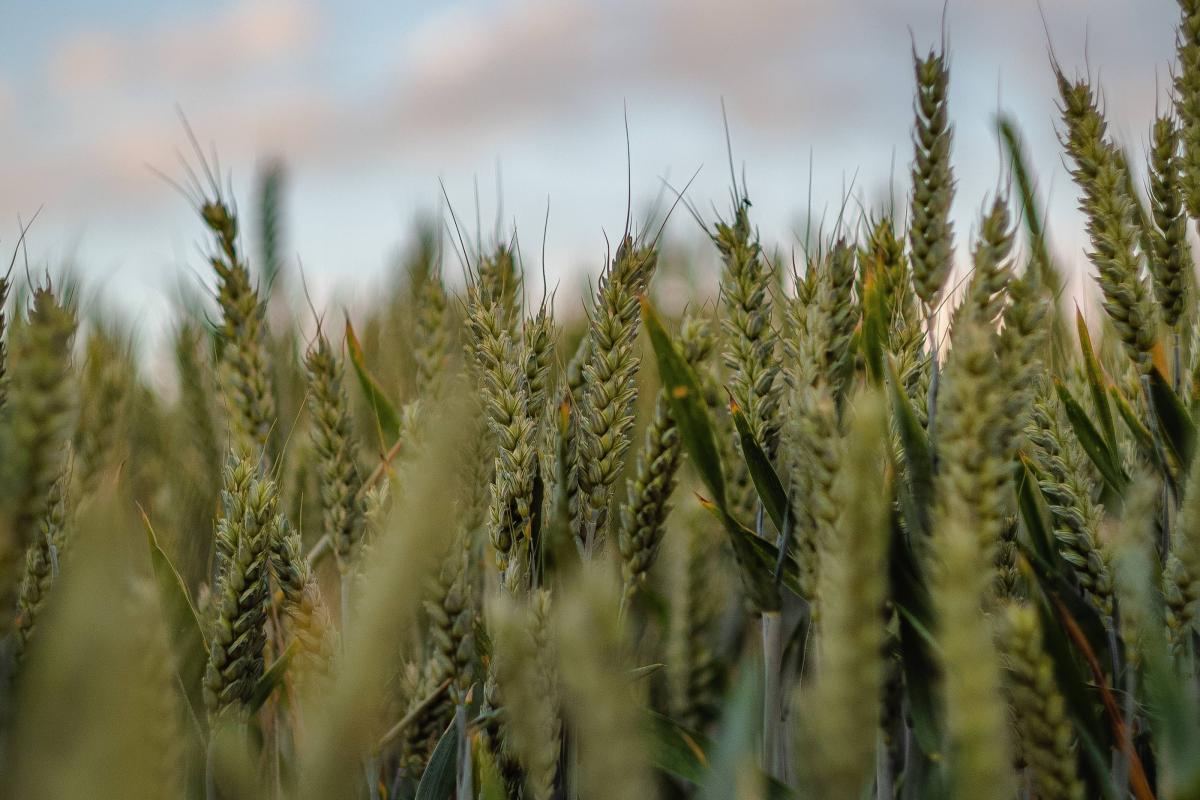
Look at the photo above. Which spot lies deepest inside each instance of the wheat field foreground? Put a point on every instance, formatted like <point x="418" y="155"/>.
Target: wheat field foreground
<point x="859" y="526"/>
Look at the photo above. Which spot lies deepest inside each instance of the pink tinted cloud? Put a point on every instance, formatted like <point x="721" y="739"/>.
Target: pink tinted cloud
<point x="472" y="79"/>
<point x="469" y="70"/>
<point x="243" y="36"/>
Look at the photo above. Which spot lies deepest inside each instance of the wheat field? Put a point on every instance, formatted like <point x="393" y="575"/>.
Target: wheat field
<point x="861" y="525"/>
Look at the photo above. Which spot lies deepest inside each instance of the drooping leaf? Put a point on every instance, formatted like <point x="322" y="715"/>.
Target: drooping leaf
<point x="1051" y="578"/>
<point x="1141" y="434"/>
<point x="687" y="405"/>
<point x="1048" y="273"/>
<point x="1092" y="442"/>
<point x="675" y="750"/>
<point x="1174" y="422"/>
<point x="684" y="754"/>
<point x="437" y="782"/>
<point x="766" y="480"/>
<point x="756" y="558"/>
<point x="385" y="413"/>
<point x="1034" y="512"/>
<point x="1096" y="382"/>
<point x="915" y="452"/>
<point x="556" y="546"/>
<point x="1094" y="738"/>
<point x="272" y="677"/>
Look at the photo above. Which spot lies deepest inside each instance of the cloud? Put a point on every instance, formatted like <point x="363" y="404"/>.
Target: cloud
<point x="242" y="37"/>
<point x="481" y="80"/>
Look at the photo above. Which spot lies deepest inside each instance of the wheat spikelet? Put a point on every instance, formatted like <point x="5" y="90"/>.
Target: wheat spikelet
<point x="843" y="708"/>
<point x="837" y="316"/>
<point x="882" y="256"/>
<point x="1133" y="546"/>
<point x="815" y="447"/>
<point x="750" y="341"/>
<point x="43" y="408"/>
<point x="605" y="410"/>
<point x="974" y="468"/>
<point x="157" y="702"/>
<point x="237" y="632"/>
<point x="194" y="364"/>
<point x="1111" y="214"/>
<point x="1047" y="740"/>
<point x="106" y="386"/>
<point x="1181" y="583"/>
<point x="506" y="398"/>
<point x="976" y="721"/>
<point x="528" y="679"/>
<point x="1187" y="101"/>
<point x="1170" y="254"/>
<point x="500" y="283"/>
<point x="309" y="621"/>
<point x="931" y="234"/>
<point x="451" y="614"/>
<point x="599" y="700"/>
<point x="43" y="560"/>
<point x="245" y="376"/>
<point x="1065" y="480"/>
<point x="432" y="334"/>
<point x="333" y="439"/>
<point x="1021" y="348"/>
<point x="992" y="262"/>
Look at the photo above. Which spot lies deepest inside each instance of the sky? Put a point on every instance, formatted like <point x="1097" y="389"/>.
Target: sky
<point x="370" y="104"/>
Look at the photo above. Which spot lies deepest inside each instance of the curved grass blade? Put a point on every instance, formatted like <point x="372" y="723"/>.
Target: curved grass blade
<point x="1094" y="738"/>
<point x="1141" y="434"/>
<point x="1051" y="578"/>
<point x="676" y="750"/>
<point x="756" y="557"/>
<point x="915" y="451"/>
<point x="1092" y="442"/>
<point x="1034" y="512"/>
<point x="385" y="412"/>
<point x="183" y="622"/>
<point x="1048" y="273"/>
<point x="766" y="480"/>
<point x="687" y="405"/>
<point x="1138" y="779"/>
<point x="437" y="782"/>
<point x="1174" y="422"/>
<point x="272" y="677"/>
<point x="1096" y="382"/>
<point x="491" y="782"/>
<point x="682" y="753"/>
